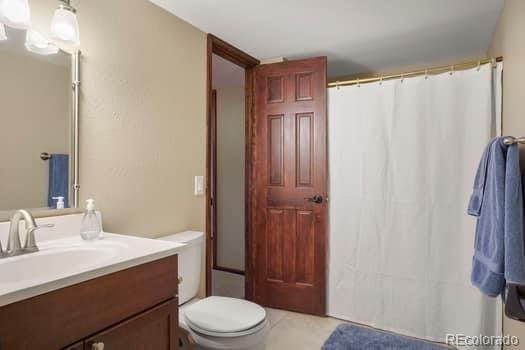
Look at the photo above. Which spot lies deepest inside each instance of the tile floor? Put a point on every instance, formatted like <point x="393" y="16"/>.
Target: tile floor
<point x="289" y="330"/>
<point x="293" y="331"/>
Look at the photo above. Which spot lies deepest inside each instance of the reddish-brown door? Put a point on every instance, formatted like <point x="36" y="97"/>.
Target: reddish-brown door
<point x="289" y="182"/>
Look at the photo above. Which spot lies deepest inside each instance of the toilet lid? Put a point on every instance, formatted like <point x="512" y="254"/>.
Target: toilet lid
<point x="224" y="315"/>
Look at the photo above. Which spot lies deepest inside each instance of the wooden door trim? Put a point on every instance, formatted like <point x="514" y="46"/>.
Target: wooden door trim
<point x="230" y="52"/>
<point x="234" y="55"/>
<point x="213" y="173"/>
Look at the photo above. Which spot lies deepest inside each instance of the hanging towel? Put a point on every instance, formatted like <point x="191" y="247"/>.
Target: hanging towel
<point x="497" y="202"/>
<point x="58" y="179"/>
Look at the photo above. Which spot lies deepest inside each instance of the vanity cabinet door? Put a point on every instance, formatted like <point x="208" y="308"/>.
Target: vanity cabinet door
<point x="155" y="329"/>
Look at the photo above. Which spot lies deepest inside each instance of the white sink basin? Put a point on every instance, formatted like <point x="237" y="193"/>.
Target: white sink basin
<point x="64" y="262"/>
<point x="52" y="262"/>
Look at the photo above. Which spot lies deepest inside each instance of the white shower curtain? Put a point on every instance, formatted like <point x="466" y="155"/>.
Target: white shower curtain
<point x="403" y="155"/>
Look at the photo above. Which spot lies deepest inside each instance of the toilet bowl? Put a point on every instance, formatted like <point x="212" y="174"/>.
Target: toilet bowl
<point x="225" y="323"/>
<point x="215" y="322"/>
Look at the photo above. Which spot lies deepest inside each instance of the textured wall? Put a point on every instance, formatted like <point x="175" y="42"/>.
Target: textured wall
<point x="509" y="42"/>
<point x="35" y="118"/>
<point x="230" y="178"/>
<point x="143" y="114"/>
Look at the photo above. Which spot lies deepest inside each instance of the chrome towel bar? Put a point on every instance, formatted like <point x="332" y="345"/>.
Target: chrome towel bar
<point x="511" y="140"/>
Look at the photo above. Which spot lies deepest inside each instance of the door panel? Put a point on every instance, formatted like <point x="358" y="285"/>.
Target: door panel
<point x="274" y="244"/>
<point x="276" y="149"/>
<point x="304" y="149"/>
<point x="305" y="252"/>
<point x="289" y="170"/>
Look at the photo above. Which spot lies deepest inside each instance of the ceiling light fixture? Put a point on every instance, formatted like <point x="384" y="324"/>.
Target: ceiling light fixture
<point x="15" y="13"/>
<point x="64" y="26"/>
<point x="37" y="43"/>
<point x="3" y="35"/>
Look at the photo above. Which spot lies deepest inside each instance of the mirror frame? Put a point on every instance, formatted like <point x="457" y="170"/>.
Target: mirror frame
<point x="74" y="172"/>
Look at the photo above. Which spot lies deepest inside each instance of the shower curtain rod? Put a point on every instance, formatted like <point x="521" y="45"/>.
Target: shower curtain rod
<point x="427" y="71"/>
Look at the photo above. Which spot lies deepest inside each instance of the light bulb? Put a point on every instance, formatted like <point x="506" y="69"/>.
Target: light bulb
<point x="64" y="26"/>
<point x="15" y="13"/>
<point x="3" y="35"/>
<point x="37" y="43"/>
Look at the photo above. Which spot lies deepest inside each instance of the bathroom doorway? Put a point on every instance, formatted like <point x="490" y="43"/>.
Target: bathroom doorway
<point x="228" y="83"/>
<point x="229" y="109"/>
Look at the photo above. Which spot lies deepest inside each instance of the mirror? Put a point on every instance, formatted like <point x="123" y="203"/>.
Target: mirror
<point x="38" y="131"/>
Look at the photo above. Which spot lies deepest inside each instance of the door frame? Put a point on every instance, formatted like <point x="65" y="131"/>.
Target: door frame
<point x="240" y="58"/>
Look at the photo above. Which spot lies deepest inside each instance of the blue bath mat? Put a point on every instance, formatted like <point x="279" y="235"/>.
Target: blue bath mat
<point x="352" y="337"/>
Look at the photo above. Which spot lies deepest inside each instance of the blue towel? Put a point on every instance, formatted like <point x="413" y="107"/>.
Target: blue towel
<point x="497" y="202"/>
<point x="58" y="179"/>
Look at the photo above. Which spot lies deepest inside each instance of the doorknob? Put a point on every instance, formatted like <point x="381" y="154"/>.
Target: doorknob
<point x="317" y="199"/>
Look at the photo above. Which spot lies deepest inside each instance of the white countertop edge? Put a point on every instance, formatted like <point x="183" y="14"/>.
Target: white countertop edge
<point x="54" y="285"/>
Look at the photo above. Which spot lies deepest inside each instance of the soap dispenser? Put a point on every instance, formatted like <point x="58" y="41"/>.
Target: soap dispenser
<point x="60" y="202"/>
<point x="90" y="226"/>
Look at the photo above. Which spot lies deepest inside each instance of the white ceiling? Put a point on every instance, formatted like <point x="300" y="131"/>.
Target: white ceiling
<point x="356" y="35"/>
<point x="226" y="74"/>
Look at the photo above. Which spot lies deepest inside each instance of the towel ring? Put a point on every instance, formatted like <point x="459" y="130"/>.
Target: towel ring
<point x="45" y="156"/>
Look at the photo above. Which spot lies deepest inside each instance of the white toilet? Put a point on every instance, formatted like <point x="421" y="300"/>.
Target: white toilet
<point x="215" y="322"/>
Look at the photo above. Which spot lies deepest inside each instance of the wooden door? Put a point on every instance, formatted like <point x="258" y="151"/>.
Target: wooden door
<point x="289" y="186"/>
<point x="154" y="329"/>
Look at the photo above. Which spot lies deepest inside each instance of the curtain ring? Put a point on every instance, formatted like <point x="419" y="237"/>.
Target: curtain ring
<point x="402" y="77"/>
<point x="426" y="74"/>
<point x="479" y="66"/>
<point x="451" y="70"/>
<point x="337" y="85"/>
<point x="494" y="63"/>
<point x="358" y="83"/>
<point x="381" y="80"/>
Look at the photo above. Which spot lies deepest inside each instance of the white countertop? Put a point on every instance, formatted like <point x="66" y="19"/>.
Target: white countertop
<point x="67" y="261"/>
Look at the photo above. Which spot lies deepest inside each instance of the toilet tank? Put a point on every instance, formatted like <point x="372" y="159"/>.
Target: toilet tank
<point x="190" y="261"/>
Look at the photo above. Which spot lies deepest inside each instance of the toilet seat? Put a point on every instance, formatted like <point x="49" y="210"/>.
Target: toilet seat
<point x="255" y="329"/>
<point x="225" y="317"/>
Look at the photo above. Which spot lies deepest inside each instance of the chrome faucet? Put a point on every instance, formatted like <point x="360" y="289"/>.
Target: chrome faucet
<point x="14" y="246"/>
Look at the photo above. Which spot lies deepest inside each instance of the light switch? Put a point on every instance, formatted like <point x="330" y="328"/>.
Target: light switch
<point x="199" y="185"/>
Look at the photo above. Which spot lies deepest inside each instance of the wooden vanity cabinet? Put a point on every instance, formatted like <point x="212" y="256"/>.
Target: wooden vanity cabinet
<point x="133" y="309"/>
<point x="77" y="346"/>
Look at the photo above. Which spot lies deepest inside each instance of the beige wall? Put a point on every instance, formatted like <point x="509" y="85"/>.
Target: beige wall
<point x="143" y="114"/>
<point x="35" y="98"/>
<point x="230" y="177"/>
<point x="509" y="42"/>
